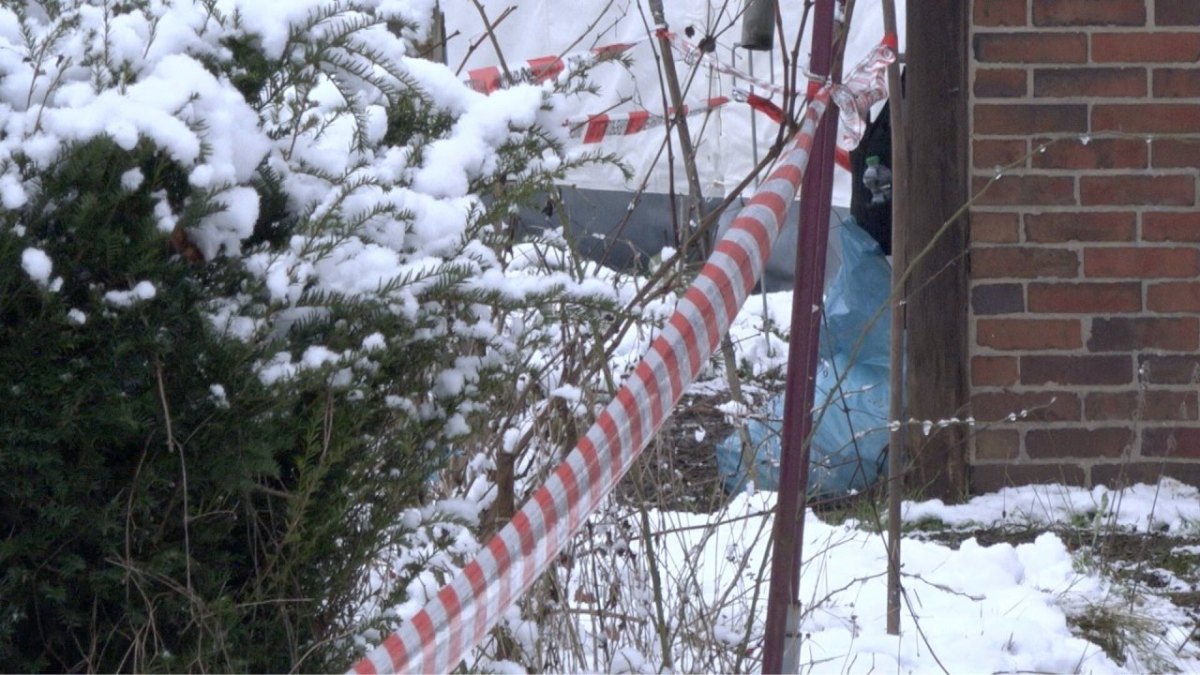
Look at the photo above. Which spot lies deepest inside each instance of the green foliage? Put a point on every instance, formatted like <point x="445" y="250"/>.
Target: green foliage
<point x="180" y="495"/>
<point x="152" y="523"/>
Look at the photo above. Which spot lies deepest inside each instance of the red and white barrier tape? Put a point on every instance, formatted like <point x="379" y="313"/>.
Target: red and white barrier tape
<point x="461" y="614"/>
<point x="760" y="104"/>
<point x="595" y="128"/>
<point x="864" y="87"/>
<point x="491" y="78"/>
<point x="767" y="107"/>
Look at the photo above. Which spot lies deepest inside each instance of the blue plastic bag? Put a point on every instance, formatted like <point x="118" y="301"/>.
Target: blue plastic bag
<point x="851" y="433"/>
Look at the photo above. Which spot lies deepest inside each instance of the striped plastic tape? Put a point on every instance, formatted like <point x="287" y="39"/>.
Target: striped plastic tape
<point x="595" y="128"/>
<point x="536" y="71"/>
<point x="461" y="614"/>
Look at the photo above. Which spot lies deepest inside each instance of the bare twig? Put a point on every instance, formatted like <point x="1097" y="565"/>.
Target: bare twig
<point x="479" y="41"/>
<point x="173" y="448"/>
<point x="491" y="33"/>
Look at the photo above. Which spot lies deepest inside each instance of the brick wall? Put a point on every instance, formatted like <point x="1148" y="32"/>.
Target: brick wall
<point x="1085" y="257"/>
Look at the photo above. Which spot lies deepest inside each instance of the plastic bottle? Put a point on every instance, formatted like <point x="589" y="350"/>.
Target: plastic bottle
<point x="878" y="179"/>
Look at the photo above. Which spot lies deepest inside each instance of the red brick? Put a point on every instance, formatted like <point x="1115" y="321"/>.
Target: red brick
<point x="1083" y="443"/>
<point x="1130" y="334"/>
<point x="1028" y="334"/>
<point x="1025" y="190"/>
<point x="994" y="371"/>
<point x="992" y="477"/>
<point x="1031" y="47"/>
<point x="1177" y="82"/>
<point x="1022" y="118"/>
<point x="996" y="228"/>
<point x="991" y="154"/>
<point x="1165" y="118"/>
<point x="1156" y="369"/>
<point x="1180" y="442"/>
<point x="1175" y="154"/>
<point x="1058" y="227"/>
<point x="1099" y="298"/>
<point x="990" y="299"/>
<point x="1023" y="263"/>
<point x="1077" y="82"/>
<point x="1171" y="226"/>
<point x="1137" y="190"/>
<point x="1076" y="370"/>
<point x="1125" y="473"/>
<point x="1161" y="333"/>
<point x="999" y="13"/>
<point x="1179" y="296"/>
<point x="1145" y="47"/>
<point x="1089" y="13"/>
<point x="1141" y="262"/>
<point x="1101" y="153"/>
<point x="997" y="444"/>
<point x="1177" y="13"/>
<point x="1042" y="406"/>
<point x="1000" y="83"/>
<point x="1157" y="405"/>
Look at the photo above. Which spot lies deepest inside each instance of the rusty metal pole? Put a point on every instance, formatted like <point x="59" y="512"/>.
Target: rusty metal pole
<point x="781" y="648"/>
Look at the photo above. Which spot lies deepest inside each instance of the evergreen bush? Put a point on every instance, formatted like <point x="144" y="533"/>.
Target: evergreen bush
<point x="243" y="318"/>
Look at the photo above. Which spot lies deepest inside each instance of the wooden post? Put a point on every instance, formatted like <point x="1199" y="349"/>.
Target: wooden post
<point x="434" y="45"/>
<point x="897" y="451"/>
<point x="936" y="142"/>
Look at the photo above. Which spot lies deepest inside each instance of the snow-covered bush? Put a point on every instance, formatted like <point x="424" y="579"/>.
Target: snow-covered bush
<point x="251" y="297"/>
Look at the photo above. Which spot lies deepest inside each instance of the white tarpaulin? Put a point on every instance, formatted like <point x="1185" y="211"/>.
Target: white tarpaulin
<point x="537" y="28"/>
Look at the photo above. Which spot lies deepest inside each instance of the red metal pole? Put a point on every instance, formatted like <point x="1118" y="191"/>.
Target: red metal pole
<point x="781" y="645"/>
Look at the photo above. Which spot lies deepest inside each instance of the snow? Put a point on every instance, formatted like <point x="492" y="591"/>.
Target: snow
<point x="1169" y="506"/>
<point x="317" y="356"/>
<point x="218" y="395"/>
<point x="142" y="290"/>
<point x="470" y="151"/>
<point x="164" y="219"/>
<point x="225" y="229"/>
<point x="567" y="392"/>
<point x="271" y="21"/>
<point x="37" y="265"/>
<point x="449" y="383"/>
<point x="759" y="331"/>
<point x="12" y="194"/>
<point x="279" y="368"/>
<point x="373" y="342"/>
<point x="132" y="179"/>
<point x="999" y="608"/>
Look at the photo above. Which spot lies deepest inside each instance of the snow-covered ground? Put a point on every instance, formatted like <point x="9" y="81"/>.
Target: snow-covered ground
<point x="967" y="607"/>
<point x="970" y="608"/>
